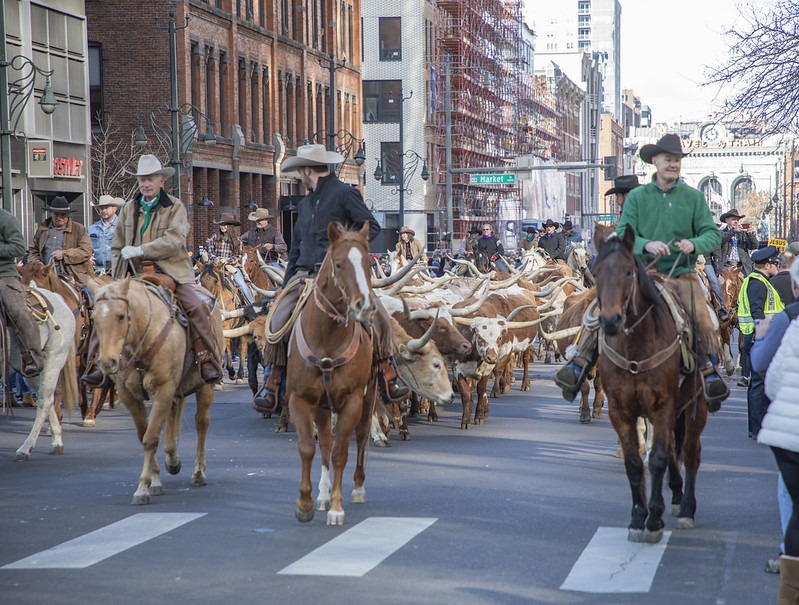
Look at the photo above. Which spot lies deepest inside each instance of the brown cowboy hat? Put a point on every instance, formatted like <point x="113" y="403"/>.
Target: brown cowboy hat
<point x="407" y="230"/>
<point x="261" y="214"/>
<point x="227" y="218"/>
<point x="624" y="184"/>
<point x="668" y="143"/>
<point x="733" y="213"/>
<point x="310" y="155"/>
<point x="59" y="205"/>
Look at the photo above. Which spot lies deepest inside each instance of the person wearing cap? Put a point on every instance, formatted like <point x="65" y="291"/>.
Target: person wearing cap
<point x="225" y="248"/>
<point x="673" y="224"/>
<point x="553" y="242"/>
<point x="101" y="232"/>
<point x="328" y="201"/>
<point x="529" y="242"/>
<point x="12" y="295"/>
<point x="267" y="238"/>
<point x="408" y="247"/>
<point x="153" y="228"/>
<point x="757" y="300"/>
<point x="735" y="244"/>
<point x="63" y="242"/>
<point x="622" y="185"/>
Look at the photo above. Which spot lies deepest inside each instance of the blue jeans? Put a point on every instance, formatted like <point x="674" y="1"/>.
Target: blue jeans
<point x="713" y="280"/>
<point x="243" y="287"/>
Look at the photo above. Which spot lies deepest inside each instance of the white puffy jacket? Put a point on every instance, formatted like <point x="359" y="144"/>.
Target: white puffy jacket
<point x="780" y="426"/>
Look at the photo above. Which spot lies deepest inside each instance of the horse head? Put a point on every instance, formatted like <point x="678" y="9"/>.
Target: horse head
<point x="345" y="272"/>
<point x="616" y="271"/>
<point x="111" y="316"/>
<point x="42" y="275"/>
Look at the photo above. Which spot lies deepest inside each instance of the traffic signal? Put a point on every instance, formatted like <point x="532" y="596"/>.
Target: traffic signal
<point x="611" y="167"/>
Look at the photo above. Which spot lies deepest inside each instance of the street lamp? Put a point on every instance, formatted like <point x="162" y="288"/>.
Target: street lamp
<point x="403" y="174"/>
<point x="20" y="91"/>
<point x="343" y="143"/>
<point x="333" y="66"/>
<point x="188" y="133"/>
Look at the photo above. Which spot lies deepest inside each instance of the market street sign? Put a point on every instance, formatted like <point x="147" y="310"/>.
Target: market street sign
<point x="606" y="218"/>
<point x="492" y="179"/>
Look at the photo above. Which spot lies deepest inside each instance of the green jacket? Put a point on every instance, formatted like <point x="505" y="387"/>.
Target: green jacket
<point x="679" y="213"/>
<point x="12" y="244"/>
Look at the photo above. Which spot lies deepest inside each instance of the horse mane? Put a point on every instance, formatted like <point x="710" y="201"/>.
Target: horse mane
<point x="646" y="285"/>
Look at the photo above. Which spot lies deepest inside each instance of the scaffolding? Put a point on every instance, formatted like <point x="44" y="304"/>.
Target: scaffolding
<point x="480" y="42"/>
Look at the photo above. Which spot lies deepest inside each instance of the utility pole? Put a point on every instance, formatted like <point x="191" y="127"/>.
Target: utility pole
<point x="448" y="143"/>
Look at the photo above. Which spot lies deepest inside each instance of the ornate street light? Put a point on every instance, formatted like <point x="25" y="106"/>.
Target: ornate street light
<point x="343" y="142"/>
<point x="402" y="176"/>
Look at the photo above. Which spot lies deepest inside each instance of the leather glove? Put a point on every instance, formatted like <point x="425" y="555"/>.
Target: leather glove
<point x="129" y="252"/>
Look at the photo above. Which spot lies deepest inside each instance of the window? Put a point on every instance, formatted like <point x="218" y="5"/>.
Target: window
<point x="390" y="39"/>
<point x="741" y="192"/>
<point x="243" y="81"/>
<point x="390" y="163"/>
<point x="96" y="85"/>
<point x="381" y="100"/>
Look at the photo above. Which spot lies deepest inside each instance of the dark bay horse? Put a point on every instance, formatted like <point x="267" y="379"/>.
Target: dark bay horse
<point x="148" y="354"/>
<point x="640" y="364"/>
<point x="330" y="371"/>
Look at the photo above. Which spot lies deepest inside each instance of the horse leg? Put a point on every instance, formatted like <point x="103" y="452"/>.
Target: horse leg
<point x="173" y="436"/>
<point x="634" y="466"/>
<point x="465" y="390"/>
<point x="481" y="410"/>
<point x="432" y="411"/>
<point x="358" y="495"/>
<point x="159" y="411"/>
<point x="202" y="420"/>
<point x="662" y="452"/>
<point x="526" y="359"/>
<point x="324" y="434"/>
<point x="692" y="456"/>
<point x="348" y="418"/>
<point x="243" y="345"/>
<point x="283" y="421"/>
<point x="599" y="397"/>
<point x="585" y="410"/>
<point x="301" y="412"/>
<point x="44" y="410"/>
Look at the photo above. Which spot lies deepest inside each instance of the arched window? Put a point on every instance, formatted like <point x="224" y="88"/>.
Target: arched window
<point x="741" y="189"/>
<point x="711" y="190"/>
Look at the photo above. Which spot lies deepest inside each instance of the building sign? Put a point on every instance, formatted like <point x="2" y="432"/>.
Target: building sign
<point x="779" y="244"/>
<point x="40" y="159"/>
<point x="68" y="167"/>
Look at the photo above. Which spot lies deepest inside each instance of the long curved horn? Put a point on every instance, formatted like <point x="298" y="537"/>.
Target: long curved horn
<point x="264" y="293"/>
<point x="513" y="270"/>
<point x="470" y="264"/>
<point x="233" y="314"/>
<point x="472" y="307"/>
<point x="405" y="279"/>
<point x="429" y="287"/>
<point x="558" y="334"/>
<point x="518" y="310"/>
<point x="274" y="275"/>
<point x="237" y="332"/>
<point x="395" y="277"/>
<point x="507" y="283"/>
<point x="551" y="288"/>
<point x="415" y="344"/>
<point x="379" y="270"/>
<point x="406" y="311"/>
<point x="480" y="283"/>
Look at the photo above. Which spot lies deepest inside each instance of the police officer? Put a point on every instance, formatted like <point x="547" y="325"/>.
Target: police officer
<point x="756" y="300"/>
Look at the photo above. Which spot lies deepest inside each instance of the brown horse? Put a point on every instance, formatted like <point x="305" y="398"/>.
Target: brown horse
<point x="730" y="280"/>
<point x="330" y="371"/>
<point x="640" y="364"/>
<point x="214" y="279"/>
<point x="148" y="354"/>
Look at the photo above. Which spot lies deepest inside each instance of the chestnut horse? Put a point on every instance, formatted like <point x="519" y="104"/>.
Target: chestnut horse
<point x="640" y="364"/>
<point x="330" y="371"/>
<point x="148" y="354"/>
<point x="214" y="279"/>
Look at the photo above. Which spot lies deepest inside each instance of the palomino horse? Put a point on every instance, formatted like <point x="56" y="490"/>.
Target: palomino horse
<point x="640" y="365"/>
<point x="330" y="371"/>
<point x="148" y="354"/>
<point x="58" y="377"/>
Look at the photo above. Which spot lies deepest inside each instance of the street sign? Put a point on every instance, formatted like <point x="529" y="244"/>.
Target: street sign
<point x="492" y="179"/>
<point x="606" y="218"/>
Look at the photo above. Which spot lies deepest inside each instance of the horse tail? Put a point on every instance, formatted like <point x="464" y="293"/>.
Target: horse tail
<point x="69" y="380"/>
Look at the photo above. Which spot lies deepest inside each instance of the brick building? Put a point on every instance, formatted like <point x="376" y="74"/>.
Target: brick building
<point x="254" y="76"/>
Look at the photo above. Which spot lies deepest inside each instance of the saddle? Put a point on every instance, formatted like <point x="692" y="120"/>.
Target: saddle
<point x="150" y="274"/>
<point x="38" y="306"/>
<point x="681" y="322"/>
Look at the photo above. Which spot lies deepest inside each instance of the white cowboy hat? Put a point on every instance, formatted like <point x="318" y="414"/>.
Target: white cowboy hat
<point x="310" y="155"/>
<point x="109" y="200"/>
<point x="261" y="214"/>
<point x="151" y="165"/>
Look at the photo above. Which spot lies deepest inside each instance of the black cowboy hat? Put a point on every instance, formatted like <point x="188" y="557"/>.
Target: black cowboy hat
<point x="59" y="205"/>
<point x="624" y="184"/>
<point x="668" y="143"/>
<point x="567" y="225"/>
<point x="769" y="254"/>
<point x="475" y="230"/>
<point x="531" y="230"/>
<point x="227" y="218"/>
<point x="551" y="223"/>
<point x="733" y="213"/>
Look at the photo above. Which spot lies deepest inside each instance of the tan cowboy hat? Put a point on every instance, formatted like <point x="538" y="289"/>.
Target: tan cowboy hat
<point x="731" y="214"/>
<point x="227" y="219"/>
<point x="261" y="214"/>
<point x="408" y="230"/>
<point x="109" y="200"/>
<point x="151" y="165"/>
<point x="310" y="155"/>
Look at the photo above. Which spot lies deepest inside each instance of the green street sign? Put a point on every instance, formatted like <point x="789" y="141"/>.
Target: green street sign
<point x="607" y="218"/>
<point x="493" y="179"/>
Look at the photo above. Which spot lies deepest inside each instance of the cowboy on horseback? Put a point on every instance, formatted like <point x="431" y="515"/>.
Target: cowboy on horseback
<point x="673" y="223"/>
<point x="328" y="201"/>
<point x="152" y="230"/>
<point x="12" y="295"/>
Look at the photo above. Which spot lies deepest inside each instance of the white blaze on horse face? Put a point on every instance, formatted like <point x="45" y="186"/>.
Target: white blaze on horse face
<point x="356" y="258"/>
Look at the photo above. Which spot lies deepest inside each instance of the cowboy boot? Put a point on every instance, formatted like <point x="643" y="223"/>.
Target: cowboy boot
<point x="571" y="375"/>
<point x="391" y="385"/>
<point x="788" y="593"/>
<point x="93" y="377"/>
<point x="268" y="403"/>
<point x="715" y="387"/>
<point x="209" y="368"/>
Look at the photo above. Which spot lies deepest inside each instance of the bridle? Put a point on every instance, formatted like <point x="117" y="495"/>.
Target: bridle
<point x="324" y="304"/>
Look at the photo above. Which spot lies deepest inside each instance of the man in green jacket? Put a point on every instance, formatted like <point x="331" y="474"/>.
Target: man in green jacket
<point x="672" y="225"/>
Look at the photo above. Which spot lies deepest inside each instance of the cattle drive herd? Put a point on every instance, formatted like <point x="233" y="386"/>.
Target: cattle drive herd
<point x="457" y="333"/>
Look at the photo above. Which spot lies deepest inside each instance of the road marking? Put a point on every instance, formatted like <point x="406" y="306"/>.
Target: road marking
<point x="360" y="548"/>
<point x="105" y="542"/>
<point x="610" y="563"/>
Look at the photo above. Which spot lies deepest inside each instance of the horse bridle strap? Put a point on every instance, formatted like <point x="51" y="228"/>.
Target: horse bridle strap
<point x="326" y="365"/>
<point x="635" y="367"/>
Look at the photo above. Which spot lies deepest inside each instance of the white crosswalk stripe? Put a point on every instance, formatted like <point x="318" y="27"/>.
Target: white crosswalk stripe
<point x="105" y="542"/>
<point x="612" y="564"/>
<point x="361" y="548"/>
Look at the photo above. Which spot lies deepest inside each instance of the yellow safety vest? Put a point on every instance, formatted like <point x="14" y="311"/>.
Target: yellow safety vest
<point x="773" y="303"/>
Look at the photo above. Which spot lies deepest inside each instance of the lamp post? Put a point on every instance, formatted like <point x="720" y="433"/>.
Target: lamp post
<point x="402" y="176"/>
<point x="343" y="142"/>
<point x="11" y="112"/>
<point x="180" y="141"/>
<point x="333" y="66"/>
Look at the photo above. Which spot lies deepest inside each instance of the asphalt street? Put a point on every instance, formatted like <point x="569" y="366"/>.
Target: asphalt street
<point x="526" y="508"/>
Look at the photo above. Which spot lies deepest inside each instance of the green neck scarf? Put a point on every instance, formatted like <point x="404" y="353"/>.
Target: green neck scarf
<point x="148" y="207"/>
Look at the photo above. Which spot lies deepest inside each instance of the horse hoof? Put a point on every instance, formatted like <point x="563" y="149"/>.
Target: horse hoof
<point x="282" y="429"/>
<point x="58" y="450"/>
<point x="303" y="516"/>
<point x="198" y="479"/>
<point x="239" y="381"/>
<point x="382" y="443"/>
<point x="139" y="499"/>
<point x="652" y="537"/>
<point x="685" y="523"/>
<point x="358" y="495"/>
<point x="335" y="518"/>
<point x="405" y="436"/>
<point x="597" y="415"/>
<point x="585" y="419"/>
<point x="173" y="469"/>
<point x="156" y="490"/>
<point x="322" y="505"/>
<point x="675" y="510"/>
<point x="635" y="535"/>
<point x="89" y="423"/>
<point x="22" y="457"/>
